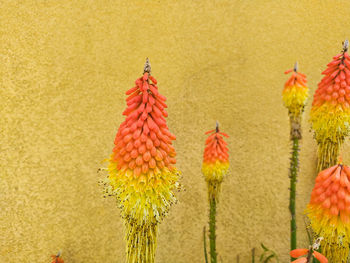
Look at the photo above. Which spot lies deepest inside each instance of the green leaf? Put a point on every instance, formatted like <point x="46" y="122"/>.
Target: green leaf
<point x="263" y="246"/>
<point x="262" y="257"/>
<point x="268" y="258"/>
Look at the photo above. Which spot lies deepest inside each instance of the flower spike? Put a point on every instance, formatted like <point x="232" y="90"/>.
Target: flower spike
<point x="215" y="167"/>
<point x="330" y="112"/>
<point x="329" y="211"/>
<point x="215" y="161"/>
<point x="142" y="175"/>
<point x="295" y="92"/>
<point x="294" y="97"/>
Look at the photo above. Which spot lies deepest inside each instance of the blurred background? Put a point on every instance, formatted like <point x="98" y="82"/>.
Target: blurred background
<point x="65" y="67"/>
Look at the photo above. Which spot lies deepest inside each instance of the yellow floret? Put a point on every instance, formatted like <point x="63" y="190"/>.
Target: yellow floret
<point x="214" y="174"/>
<point x="144" y="201"/>
<point x="335" y="246"/>
<point x="146" y="198"/>
<point x="331" y="124"/>
<point x="294" y="98"/>
<point x="330" y="121"/>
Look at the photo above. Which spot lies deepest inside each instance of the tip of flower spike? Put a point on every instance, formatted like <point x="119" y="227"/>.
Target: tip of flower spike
<point x="340" y="160"/>
<point x="217" y="126"/>
<point x="57" y="258"/>
<point x="345" y="45"/>
<point x="295" y="67"/>
<point x="147" y="67"/>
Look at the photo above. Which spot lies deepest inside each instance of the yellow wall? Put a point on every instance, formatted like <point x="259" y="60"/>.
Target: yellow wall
<point x="65" y="66"/>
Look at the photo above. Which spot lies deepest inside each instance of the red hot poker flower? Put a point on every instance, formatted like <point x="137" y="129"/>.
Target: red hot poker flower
<point x="215" y="161"/>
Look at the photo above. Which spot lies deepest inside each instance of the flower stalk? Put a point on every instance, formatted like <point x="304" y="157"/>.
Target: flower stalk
<point x="293" y="182"/>
<point x="212" y="235"/>
<point x="215" y="167"/>
<point x="294" y="96"/>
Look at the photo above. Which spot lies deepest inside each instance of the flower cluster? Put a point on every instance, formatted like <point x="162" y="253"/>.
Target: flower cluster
<point x="295" y="93"/>
<point x="142" y="175"/>
<point x="215" y="161"/>
<point x="330" y="112"/>
<point x="329" y="211"/>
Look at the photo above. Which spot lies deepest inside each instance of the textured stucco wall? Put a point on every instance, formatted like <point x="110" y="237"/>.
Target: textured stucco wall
<point x="65" y="66"/>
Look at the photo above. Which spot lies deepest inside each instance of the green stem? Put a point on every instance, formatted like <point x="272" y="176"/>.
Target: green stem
<point x="205" y="245"/>
<point x="253" y="255"/>
<point x="293" y="181"/>
<point x="212" y="236"/>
